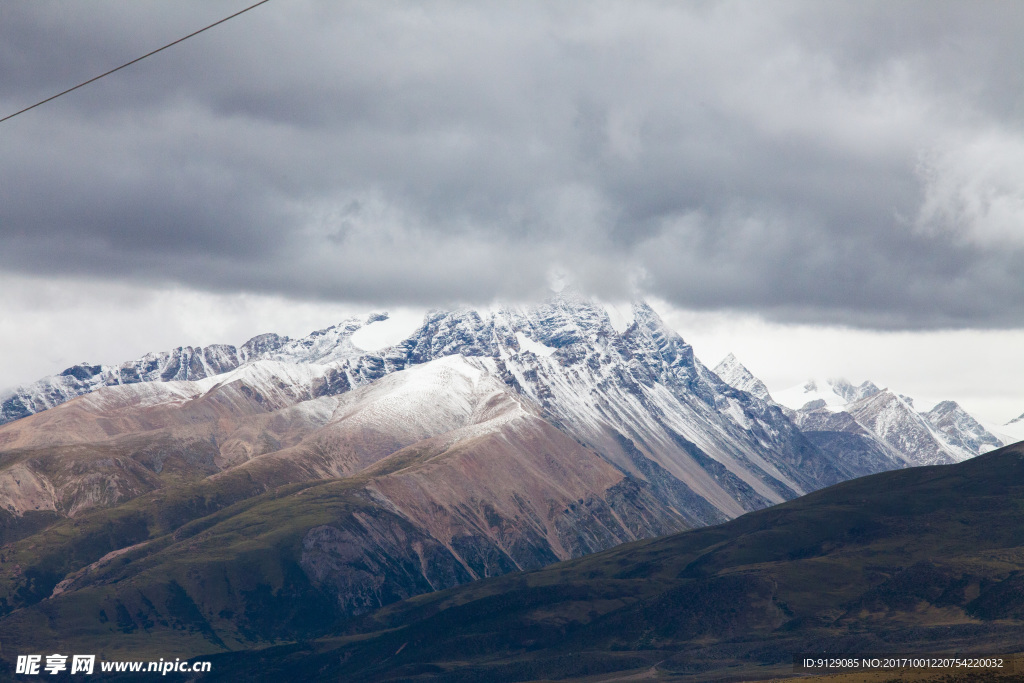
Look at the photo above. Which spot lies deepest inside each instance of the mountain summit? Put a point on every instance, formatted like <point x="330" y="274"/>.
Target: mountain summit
<point x="736" y="374"/>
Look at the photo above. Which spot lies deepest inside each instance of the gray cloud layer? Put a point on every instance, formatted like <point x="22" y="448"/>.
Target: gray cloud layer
<point x="858" y="163"/>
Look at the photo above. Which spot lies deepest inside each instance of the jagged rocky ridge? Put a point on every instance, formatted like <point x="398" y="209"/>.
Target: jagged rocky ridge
<point x="736" y="374"/>
<point x="184" y="363"/>
<point x="882" y="428"/>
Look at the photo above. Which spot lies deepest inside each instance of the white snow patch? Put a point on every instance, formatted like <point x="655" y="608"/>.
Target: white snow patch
<point x="527" y="344"/>
<point x="799" y="396"/>
<point x="425" y="400"/>
<point x="921" y="404"/>
<point x="621" y="316"/>
<point x="1011" y="432"/>
<point x="381" y="334"/>
<point x="142" y="394"/>
<point x="270" y="377"/>
<point x="735" y="411"/>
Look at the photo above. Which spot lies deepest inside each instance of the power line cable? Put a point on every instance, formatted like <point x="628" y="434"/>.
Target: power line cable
<point x="134" y="61"/>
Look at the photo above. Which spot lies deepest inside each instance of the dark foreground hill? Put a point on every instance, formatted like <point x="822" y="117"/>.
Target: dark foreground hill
<point x="926" y="560"/>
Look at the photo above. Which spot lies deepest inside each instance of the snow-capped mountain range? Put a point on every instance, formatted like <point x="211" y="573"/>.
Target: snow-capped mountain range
<point x="713" y="443"/>
<point x="477" y="444"/>
<point x="640" y="398"/>
<point x="944" y="433"/>
<point x="481" y="443"/>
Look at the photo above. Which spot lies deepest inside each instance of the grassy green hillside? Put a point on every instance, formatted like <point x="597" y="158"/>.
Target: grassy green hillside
<point x="922" y="560"/>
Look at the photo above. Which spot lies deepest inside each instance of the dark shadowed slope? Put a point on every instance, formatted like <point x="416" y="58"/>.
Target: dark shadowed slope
<point x="928" y="559"/>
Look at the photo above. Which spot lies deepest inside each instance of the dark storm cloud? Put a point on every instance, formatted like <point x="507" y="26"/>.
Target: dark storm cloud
<point x="856" y="163"/>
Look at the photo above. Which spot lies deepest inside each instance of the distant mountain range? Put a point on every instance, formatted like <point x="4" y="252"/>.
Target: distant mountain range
<point x="217" y="498"/>
<point x="945" y="433"/>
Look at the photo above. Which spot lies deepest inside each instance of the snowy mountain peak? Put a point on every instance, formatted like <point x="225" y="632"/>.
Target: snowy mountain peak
<point x="834" y="392"/>
<point x="260" y="345"/>
<point x="639" y="397"/>
<point x="854" y="393"/>
<point x="919" y="432"/>
<point x="960" y="429"/>
<point x="736" y="375"/>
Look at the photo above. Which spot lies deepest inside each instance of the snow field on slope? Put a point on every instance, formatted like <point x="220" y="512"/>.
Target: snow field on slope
<point x="142" y="394"/>
<point x="1008" y="433"/>
<point x="381" y="334"/>
<point x="428" y="399"/>
<point x="527" y="344"/>
<point x="268" y="376"/>
<point x="619" y="315"/>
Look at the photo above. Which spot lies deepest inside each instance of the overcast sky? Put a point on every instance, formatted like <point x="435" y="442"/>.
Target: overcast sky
<point x="784" y="174"/>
